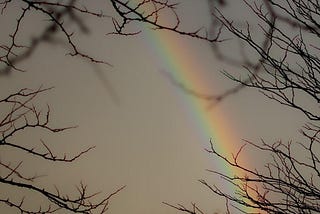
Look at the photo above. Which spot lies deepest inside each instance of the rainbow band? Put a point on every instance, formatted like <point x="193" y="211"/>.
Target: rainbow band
<point x="208" y="123"/>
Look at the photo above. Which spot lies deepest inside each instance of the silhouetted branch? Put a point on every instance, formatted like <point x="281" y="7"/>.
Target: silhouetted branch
<point x="278" y="56"/>
<point x="19" y="114"/>
<point x="276" y="75"/>
<point x="150" y="12"/>
<point x="55" y="13"/>
<point x="194" y="210"/>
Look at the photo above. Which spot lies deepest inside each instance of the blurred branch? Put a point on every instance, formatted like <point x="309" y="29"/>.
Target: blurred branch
<point x="55" y="13"/>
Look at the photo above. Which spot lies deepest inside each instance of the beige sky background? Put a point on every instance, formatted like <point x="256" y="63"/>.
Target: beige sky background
<point x="145" y="137"/>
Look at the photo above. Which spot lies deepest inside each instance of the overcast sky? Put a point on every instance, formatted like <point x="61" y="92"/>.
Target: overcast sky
<point x="146" y="136"/>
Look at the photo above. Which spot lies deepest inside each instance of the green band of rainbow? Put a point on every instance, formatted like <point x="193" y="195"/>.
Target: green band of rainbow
<point x="177" y="58"/>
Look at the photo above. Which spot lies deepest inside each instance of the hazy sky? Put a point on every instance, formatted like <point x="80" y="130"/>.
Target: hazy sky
<point x="146" y="136"/>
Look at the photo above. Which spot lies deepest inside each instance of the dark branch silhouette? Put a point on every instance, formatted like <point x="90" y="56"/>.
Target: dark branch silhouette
<point x="279" y="56"/>
<point x="151" y="12"/>
<point x="62" y="24"/>
<point x="22" y="114"/>
<point x="55" y="13"/>
<point x="278" y="52"/>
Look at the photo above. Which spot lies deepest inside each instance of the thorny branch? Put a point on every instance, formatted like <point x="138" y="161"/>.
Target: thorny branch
<point x="279" y="56"/>
<point x="55" y="14"/>
<point x="21" y="114"/>
<point x="287" y="69"/>
<point x="277" y="52"/>
<point x="151" y="12"/>
<point x="289" y="183"/>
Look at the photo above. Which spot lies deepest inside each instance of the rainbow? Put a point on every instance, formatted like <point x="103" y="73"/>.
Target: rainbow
<point x="182" y="66"/>
<point x="209" y="123"/>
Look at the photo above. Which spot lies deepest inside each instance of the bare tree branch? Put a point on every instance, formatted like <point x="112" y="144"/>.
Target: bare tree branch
<point x="22" y="114"/>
